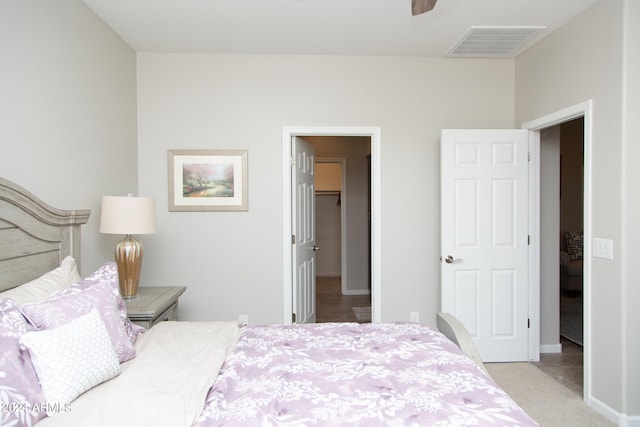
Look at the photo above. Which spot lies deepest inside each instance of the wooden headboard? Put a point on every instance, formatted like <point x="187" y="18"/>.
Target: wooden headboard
<point x="34" y="237"/>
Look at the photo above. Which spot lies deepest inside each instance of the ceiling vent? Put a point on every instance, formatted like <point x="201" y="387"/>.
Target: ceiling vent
<point x="495" y="41"/>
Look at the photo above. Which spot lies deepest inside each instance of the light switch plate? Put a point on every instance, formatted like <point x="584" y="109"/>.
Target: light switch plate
<point x="603" y="248"/>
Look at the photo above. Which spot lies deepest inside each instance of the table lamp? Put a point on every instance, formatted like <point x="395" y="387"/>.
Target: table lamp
<point x="128" y="215"/>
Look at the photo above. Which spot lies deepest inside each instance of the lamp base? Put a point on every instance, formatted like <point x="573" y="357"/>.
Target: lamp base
<point x="129" y="261"/>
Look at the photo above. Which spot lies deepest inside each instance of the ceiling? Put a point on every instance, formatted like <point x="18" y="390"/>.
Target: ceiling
<point x="323" y="27"/>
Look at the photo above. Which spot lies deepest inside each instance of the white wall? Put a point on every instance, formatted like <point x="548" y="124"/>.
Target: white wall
<point x="233" y="262"/>
<point x="68" y="108"/>
<point x="584" y="60"/>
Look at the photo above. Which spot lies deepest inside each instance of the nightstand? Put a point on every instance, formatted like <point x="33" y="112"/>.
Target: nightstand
<point x="154" y="304"/>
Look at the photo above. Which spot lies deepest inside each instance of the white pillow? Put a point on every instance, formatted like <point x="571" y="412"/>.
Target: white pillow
<point x="71" y="359"/>
<point x="41" y="288"/>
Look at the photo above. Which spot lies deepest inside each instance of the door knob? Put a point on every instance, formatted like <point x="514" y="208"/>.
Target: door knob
<point x="449" y="259"/>
<point x="315" y="248"/>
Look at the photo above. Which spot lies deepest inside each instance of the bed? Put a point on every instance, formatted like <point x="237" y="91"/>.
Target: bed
<point x="70" y="356"/>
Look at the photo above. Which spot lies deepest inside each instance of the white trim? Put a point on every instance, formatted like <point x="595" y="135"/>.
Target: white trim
<point x="551" y="348"/>
<point x="534" y="247"/>
<point x="287" y="272"/>
<point x="584" y="109"/>
<point x="331" y="274"/>
<point x="288" y="132"/>
<point x="356" y="292"/>
<point x="344" y="203"/>
<point x="608" y="412"/>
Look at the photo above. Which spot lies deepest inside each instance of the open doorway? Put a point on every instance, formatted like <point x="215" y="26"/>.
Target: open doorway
<point x="562" y="225"/>
<point x="547" y="239"/>
<point x="571" y="230"/>
<point x="342" y="204"/>
<point x="371" y="269"/>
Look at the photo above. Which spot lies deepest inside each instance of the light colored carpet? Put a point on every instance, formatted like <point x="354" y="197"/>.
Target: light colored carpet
<point x="363" y="314"/>
<point x="544" y="399"/>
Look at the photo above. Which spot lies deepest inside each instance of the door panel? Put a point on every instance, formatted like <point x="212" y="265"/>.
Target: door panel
<point x="304" y="286"/>
<point x="467" y="294"/>
<point x="484" y="226"/>
<point x="467" y="217"/>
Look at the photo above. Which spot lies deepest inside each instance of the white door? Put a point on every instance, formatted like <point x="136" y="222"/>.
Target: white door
<point x="484" y="238"/>
<point x="304" y="239"/>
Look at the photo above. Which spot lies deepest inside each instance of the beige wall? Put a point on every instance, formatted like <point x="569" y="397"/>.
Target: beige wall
<point x="233" y="262"/>
<point x="68" y="108"/>
<point x="584" y="60"/>
<point x="328" y="176"/>
<point x="68" y="99"/>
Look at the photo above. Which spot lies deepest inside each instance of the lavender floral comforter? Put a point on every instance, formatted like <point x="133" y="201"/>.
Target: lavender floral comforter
<point x="348" y="374"/>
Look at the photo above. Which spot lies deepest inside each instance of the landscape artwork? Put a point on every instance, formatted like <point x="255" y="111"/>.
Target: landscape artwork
<point x="207" y="180"/>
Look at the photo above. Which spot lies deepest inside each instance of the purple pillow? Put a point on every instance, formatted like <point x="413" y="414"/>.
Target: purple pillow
<point x="62" y="308"/>
<point x="108" y="272"/>
<point x="20" y="393"/>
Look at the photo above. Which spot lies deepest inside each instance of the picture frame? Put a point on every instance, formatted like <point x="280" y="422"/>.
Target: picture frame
<point x="208" y="180"/>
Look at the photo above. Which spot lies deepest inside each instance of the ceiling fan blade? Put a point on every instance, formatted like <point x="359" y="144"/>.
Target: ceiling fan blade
<point x="421" y="6"/>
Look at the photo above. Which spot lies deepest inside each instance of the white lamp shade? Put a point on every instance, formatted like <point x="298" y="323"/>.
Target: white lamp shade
<point x="128" y="215"/>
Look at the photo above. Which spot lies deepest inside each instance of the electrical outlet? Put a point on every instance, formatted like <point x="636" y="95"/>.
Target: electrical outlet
<point x="243" y="319"/>
<point x="414" y="316"/>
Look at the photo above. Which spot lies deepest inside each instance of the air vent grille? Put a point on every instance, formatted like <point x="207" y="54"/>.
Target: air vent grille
<point x="494" y="41"/>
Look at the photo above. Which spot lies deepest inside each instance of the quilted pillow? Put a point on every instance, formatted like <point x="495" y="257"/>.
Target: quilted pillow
<point x="41" y="288"/>
<point x="574" y="245"/>
<point x="108" y="272"/>
<point x="20" y="391"/>
<point x="61" y="309"/>
<point x="71" y="359"/>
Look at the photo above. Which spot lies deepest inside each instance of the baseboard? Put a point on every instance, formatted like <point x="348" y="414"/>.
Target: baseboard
<point x="633" y="421"/>
<point x="551" y="348"/>
<point x="621" y="420"/>
<point x="356" y="292"/>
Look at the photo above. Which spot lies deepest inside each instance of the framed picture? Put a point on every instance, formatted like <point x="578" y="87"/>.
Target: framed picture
<point x="207" y="180"/>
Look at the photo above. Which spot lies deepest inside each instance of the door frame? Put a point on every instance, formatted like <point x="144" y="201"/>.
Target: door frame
<point x="585" y="110"/>
<point x="288" y="132"/>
